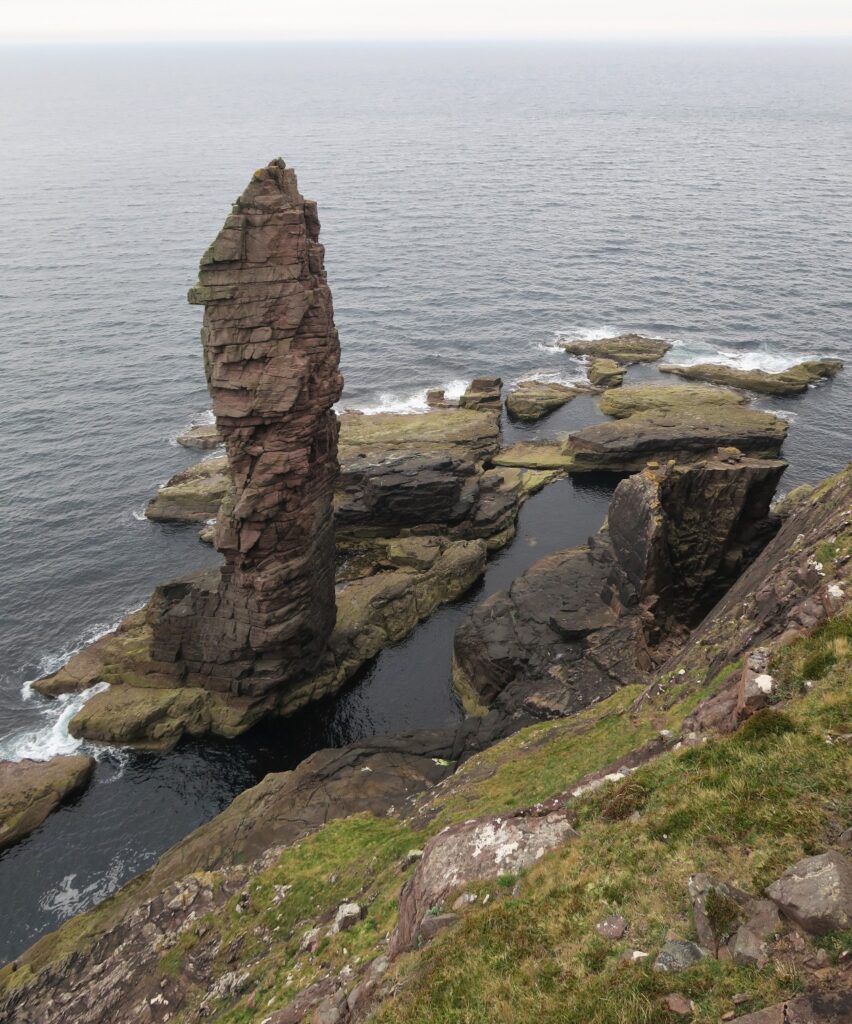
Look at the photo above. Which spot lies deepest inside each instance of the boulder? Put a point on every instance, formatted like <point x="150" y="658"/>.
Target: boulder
<point x="672" y="398"/>
<point x="474" y="851"/>
<point x="678" y="1004"/>
<point x="612" y="928"/>
<point x="606" y="373"/>
<point x="792" y="381"/>
<point x="348" y="914"/>
<point x="624" y="348"/>
<point x="678" y="955"/>
<point x="810" y="1008"/>
<point x="532" y="399"/>
<point x="816" y="893"/>
<point x="434" y="923"/>
<point x="484" y="394"/>
<point x="202" y="436"/>
<point x="31" y="790"/>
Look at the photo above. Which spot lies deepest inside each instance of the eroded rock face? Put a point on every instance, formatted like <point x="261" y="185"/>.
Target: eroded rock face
<point x="31" y="790"/>
<point x="271" y="354"/>
<point x="581" y="623"/>
<point x="606" y="373"/>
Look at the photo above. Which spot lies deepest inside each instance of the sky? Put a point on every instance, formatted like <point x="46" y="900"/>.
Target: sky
<point x="35" y="21"/>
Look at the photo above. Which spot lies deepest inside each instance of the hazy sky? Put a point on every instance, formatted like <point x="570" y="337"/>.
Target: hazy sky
<point x="51" y="20"/>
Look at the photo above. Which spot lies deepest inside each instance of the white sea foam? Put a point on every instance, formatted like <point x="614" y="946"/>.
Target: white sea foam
<point x="565" y="334"/>
<point x="691" y="352"/>
<point x="72" y="896"/>
<point x="570" y="374"/>
<point x="413" y="402"/>
<point x="783" y="414"/>
<point x="52" y="737"/>
<point x="140" y="517"/>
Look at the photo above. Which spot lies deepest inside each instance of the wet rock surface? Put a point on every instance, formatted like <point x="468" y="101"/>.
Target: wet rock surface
<point x="530" y="400"/>
<point x="792" y="381"/>
<point x="31" y="790"/>
<point x="624" y="348"/>
<point x="580" y="623"/>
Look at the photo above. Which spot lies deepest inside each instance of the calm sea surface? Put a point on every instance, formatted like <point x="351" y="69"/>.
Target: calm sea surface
<point x="475" y="202"/>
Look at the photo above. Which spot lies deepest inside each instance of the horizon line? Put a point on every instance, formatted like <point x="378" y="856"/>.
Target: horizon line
<point x="697" y="38"/>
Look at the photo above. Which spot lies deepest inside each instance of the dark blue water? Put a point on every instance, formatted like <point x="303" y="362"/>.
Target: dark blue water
<point x="476" y="202"/>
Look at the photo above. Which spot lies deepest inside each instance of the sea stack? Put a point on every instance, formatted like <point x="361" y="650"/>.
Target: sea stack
<point x="271" y="355"/>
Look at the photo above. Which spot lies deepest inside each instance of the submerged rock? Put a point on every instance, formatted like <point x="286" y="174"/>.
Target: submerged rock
<point x="271" y="356"/>
<point x="532" y="399"/>
<point x="606" y="373"/>
<point x="31" y="790"/>
<point x="624" y="348"/>
<point x="792" y="381"/>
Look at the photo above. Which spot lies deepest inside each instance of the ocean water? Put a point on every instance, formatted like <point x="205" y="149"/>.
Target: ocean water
<point x="478" y="203"/>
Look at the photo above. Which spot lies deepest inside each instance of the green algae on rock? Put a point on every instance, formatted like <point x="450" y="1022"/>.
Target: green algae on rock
<point x="624" y="348"/>
<point x="666" y="397"/>
<point x="532" y="399"/>
<point x="792" y="381"/>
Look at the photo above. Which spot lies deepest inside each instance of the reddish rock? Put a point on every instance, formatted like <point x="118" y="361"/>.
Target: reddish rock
<point x="271" y="354"/>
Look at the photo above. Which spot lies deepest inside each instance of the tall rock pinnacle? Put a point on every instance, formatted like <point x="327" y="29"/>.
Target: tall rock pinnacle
<point x="271" y="354"/>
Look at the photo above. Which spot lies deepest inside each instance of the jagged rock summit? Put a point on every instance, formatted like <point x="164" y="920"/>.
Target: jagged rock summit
<point x="271" y="355"/>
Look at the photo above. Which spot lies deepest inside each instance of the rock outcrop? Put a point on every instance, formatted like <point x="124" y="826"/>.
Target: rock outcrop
<point x="530" y="400"/>
<point x="473" y="852"/>
<point x="624" y="348"/>
<point x="193" y="495"/>
<point x="792" y="381"/>
<point x="271" y="355"/>
<point x="31" y="790"/>
<point x="202" y="436"/>
<point x="655" y="427"/>
<point x="671" y="398"/>
<point x="484" y="394"/>
<point x="580" y="623"/>
<point x="606" y="373"/>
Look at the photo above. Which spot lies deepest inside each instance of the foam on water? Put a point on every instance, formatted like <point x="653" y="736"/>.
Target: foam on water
<point x="52" y="737"/>
<point x="414" y="402"/>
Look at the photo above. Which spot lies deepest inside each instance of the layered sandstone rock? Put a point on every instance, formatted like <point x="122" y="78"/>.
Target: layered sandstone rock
<point x="581" y="623"/>
<point x="533" y="399"/>
<point x="271" y="354"/>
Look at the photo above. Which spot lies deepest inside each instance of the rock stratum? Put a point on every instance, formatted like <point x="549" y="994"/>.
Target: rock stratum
<point x="271" y="354"/>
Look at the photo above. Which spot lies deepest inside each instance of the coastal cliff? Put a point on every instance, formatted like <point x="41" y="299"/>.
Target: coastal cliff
<point x="681" y="827"/>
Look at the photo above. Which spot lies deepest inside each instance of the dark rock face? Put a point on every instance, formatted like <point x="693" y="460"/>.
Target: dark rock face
<point x="271" y="354"/>
<point x="581" y="623"/>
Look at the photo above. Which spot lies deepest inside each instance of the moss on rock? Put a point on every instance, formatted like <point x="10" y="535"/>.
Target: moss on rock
<point x="792" y="381"/>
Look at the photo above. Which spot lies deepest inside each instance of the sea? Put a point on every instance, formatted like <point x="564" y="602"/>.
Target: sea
<point x="479" y="203"/>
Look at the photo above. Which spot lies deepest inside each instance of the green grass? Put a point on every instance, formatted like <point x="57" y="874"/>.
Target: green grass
<point x="743" y="808"/>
